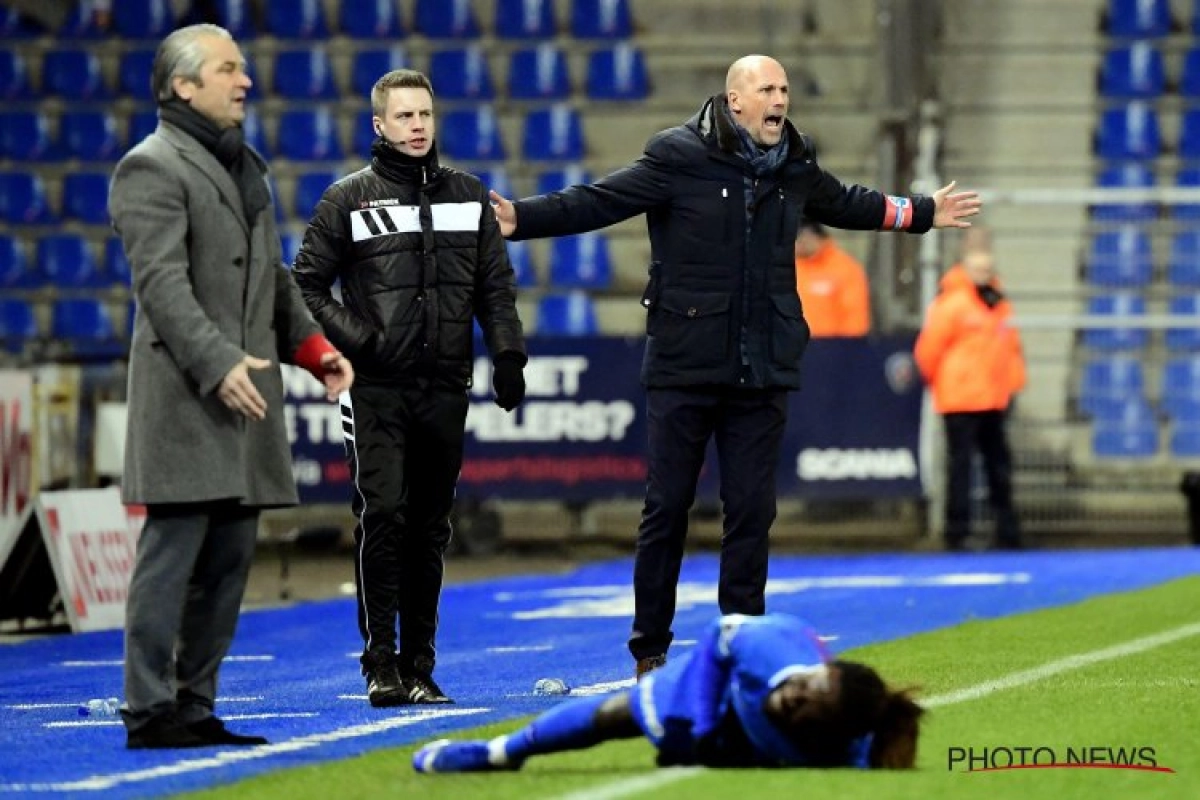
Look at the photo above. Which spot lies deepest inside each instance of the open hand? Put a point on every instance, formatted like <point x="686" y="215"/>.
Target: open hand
<point x="506" y="213"/>
<point x="239" y="393"/>
<point x="951" y="208"/>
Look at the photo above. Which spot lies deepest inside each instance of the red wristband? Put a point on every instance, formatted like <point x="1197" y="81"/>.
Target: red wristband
<point x="310" y="352"/>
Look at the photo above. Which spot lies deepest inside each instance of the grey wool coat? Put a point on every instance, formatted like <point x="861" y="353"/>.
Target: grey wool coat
<point x="210" y="289"/>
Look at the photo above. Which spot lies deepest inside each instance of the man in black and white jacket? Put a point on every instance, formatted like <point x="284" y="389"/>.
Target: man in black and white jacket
<point x="419" y="256"/>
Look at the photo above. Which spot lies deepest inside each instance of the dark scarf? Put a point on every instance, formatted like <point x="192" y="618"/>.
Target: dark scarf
<point x="762" y="162"/>
<point x="228" y="146"/>
<point x="401" y="168"/>
<point x="990" y="295"/>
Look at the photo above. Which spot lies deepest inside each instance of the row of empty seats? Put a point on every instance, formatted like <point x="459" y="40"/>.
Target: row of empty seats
<point x="1145" y="19"/>
<point x="541" y="72"/>
<point x="1124" y="257"/>
<point x="359" y="19"/>
<point x="1133" y="132"/>
<point x="1116" y="388"/>
<point x="1125" y="308"/>
<point x="62" y="261"/>
<point x="1140" y="175"/>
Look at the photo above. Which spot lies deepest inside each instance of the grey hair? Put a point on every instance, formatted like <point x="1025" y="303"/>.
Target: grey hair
<point x="180" y="56"/>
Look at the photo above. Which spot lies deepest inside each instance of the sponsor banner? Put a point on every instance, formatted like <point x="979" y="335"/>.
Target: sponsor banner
<point x="581" y="432"/>
<point x="16" y="454"/>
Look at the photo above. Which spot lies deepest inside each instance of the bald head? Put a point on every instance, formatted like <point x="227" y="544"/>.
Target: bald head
<point x="757" y="90"/>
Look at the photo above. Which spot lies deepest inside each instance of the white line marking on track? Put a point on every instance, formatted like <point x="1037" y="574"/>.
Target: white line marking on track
<point x="90" y="723"/>
<point x="41" y="706"/>
<point x="223" y="758"/>
<point x="529" y="648"/>
<point x="660" y="778"/>
<point x="119" y="662"/>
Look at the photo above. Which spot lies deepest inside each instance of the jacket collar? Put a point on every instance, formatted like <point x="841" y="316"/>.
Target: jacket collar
<point x="209" y="166"/>
<point x="716" y="130"/>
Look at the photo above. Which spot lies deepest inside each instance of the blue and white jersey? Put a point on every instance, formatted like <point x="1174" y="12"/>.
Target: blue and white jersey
<point x="737" y="663"/>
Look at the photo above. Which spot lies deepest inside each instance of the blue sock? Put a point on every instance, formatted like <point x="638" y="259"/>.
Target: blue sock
<point x="567" y="726"/>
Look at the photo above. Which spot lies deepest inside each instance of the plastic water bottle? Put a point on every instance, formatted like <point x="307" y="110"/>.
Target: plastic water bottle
<point x="100" y="707"/>
<point x="551" y="686"/>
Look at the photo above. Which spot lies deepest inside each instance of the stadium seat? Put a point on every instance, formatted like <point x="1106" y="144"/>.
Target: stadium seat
<point x="85" y="326"/>
<point x="601" y="19"/>
<point x="368" y="66"/>
<point x="144" y="19"/>
<point x="309" y="134"/>
<point x="497" y="180"/>
<point x="363" y="137"/>
<point x="142" y="124"/>
<point x="1120" y="257"/>
<point x="1184" y="441"/>
<point x="1129" y="175"/>
<point x="90" y="136"/>
<point x="462" y="74"/>
<point x="539" y="73"/>
<point x="1129" y="132"/>
<point x="580" y="262"/>
<point x="1183" y="262"/>
<point x="618" y="73"/>
<point x="446" y="19"/>
<point x="25" y="136"/>
<point x="237" y="17"/>
<point x="1120" y="306"/>
<point x="14" y="25"/>
<point x="289" y="242"/>
<point x="23" y="199"/>
<point x="1108" y="380"/>
<point x="1183" y="339"/>
<point x="471" y="135"/>
<point x="115" y="262"/>
<point x="14" y="76"/>
<point x="1121" y="441"/>
<point x="520" y="255"/>
<point x="525" y="19"/>
<point x="553" y="180"/>
<point x="18" y="325"/>
<point x="73" y="75"/>
<point x="553" y="134"/>
<point x="1133" y="71"/>
<point x="254" y="132"/>
<point x="1138" y="19"/>
<point x="67" y="262"/>
<point x="82" y="22"/>
<point x="133" y="73"/>
<point x="569" y="314"/>
<point x="16" y="271"/>
<point x="1187" y="178"/>
<point x="1189" y="134"/>
<point x="85" y="197"/>
<point x="297" y="19"/>
<point x="305" y="74"/>
<point x="1180" y="384"/>
<point x="309" y="188"/>
<point x="1189" y="76"/>
<point x="370" y="19"/>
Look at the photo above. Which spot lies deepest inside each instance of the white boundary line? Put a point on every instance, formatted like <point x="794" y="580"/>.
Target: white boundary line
<point x="660" y="778"/>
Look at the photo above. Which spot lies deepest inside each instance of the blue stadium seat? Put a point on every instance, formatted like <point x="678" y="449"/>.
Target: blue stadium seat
<point x="1184" y="441"/>
<point x="133" y="74"/>
<point x="289" y="242"/>
<point x="1183" y="262"/>
<point x="471" y="135"/>
<point x="568" y="314"/>
<point x="1133" y="71"/>
<point x="1138" y="19"/>
<point x="90" y="136"/>
<point x="18" y="325"/>
<point x="368" y="66"/>
<point x="580" y="262"/>
<point x="1189" y="77"/>
<point x="1187" y="178"/>
<point x="85" y="197"/>
<point x="539" y="73"/>
<point x="1183" y="339"/>
<point x="553" y="134"/>
<point x="553" y="180"/>
<point x="297" y="19"/>
<point x="14" y="25"/>
<point x="16" y="271"/>
<point x="497" y="180"/>
<point x="1180" y="385"/>
<point x="370" y="19"/>
<point x="237" y="17"/>
<point x="142" y="124"/>
<point x="67" y="262"/>
<point x="1123" y="306"/>
<point x="305" y="74"/>
<point x="309" y="188"/>
<point x="1130" y="175"/>
<point x="1128" y="411"/>
<point x="520" y="255"/>
<point x="73" y="75"/>
<point x="23" y="199"/>
<point x="255" y="132"/>
<point x="462" y="74"/>
<point x="601" y="19"/>
<point x="144" y="19"/>
<point x="25" y="136"/>
<point x="364" y="133"/>
<point x="82" y="22"/>
<point x="1189" y="134"/>
<point x="309" y="134"/>
<point x="1120" y="257"/>
<point x="85" y="325"/>
<point x="14" y="76"/>
<point x="1129" y="132"/>
<point x="1127" y="442"/>
<point x="115" y="262"/>
<point x="618" y="73"/>
<point x="446" y="19"/>
<point x="1108" y="380"/>
<point x="525" y="19"/>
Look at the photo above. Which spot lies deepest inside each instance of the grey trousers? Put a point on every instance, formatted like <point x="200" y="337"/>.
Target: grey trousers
<point x="185" y="594"/>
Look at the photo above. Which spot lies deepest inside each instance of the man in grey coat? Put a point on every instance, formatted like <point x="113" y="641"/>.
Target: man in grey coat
<point x="207" y="447"/>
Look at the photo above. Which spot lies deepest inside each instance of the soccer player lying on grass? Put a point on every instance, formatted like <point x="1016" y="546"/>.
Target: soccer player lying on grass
<point x="755" y="692"/>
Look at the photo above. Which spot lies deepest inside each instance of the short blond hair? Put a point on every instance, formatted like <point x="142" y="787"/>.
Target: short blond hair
<point x="396" y="79"/>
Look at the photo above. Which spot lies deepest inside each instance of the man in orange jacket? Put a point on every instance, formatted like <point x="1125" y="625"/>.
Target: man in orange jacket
<point x="832" y="285"/>
<point x="970" y="356"/>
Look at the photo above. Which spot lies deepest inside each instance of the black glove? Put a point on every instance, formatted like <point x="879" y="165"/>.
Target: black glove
<point x="508" y="381"/>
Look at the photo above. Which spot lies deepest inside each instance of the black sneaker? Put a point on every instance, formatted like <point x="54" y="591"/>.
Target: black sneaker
<point x="385" y="687"/>
<point x="649" y="664"/>
<point x="214" y="731"/>
<point x="423" y="690"/>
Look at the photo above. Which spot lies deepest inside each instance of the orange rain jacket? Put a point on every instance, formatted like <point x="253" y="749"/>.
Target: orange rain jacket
<point x="968" y="353"/>
<point x="833" y="291"/>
